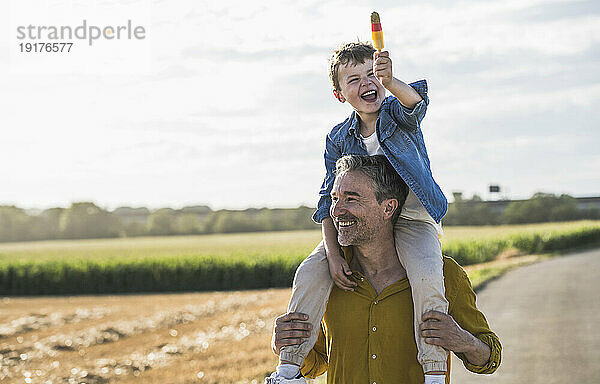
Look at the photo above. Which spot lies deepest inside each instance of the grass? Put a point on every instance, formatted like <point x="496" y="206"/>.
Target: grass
<point x="259" y="244"/>
<point x="234" y="261"/>
<point x="486" y="232"/>
<point x="293" y="244"/>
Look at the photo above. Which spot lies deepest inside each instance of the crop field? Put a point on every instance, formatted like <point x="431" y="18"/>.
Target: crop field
<point x="230" y="262"/>
<point x="192" y="337"/>
<point x="292" y="245"/>
<point x="240" y="245"/>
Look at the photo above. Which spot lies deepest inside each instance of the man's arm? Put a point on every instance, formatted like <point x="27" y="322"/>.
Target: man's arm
<point x="293" y="329"/>
<point x="463" y="310"/>
<point x="442" y="330"/>
<point x="316" y="362"/>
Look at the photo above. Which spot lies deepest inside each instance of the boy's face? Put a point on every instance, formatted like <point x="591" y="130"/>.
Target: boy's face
<point x="360" y="87"/>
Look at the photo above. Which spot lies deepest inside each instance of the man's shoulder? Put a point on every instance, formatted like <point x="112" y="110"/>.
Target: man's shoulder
<point x="453" y="273"/>
<point x="457" y="283"/>
<point x="451" y="263"/>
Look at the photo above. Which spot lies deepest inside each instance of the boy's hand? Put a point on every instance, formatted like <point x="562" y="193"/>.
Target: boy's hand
<point x="382" y="67"/>
<point x="339" y="270"/>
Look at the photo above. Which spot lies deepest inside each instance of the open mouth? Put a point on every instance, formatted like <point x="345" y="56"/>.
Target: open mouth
<point x="345" y="223"/>
<point x="369" y="96"/>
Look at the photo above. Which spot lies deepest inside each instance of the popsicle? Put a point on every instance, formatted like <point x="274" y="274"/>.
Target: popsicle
<point x="376" y="31"/>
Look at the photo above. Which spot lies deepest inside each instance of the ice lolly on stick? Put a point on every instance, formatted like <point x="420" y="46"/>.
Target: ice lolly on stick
<point x="376" y="31"/>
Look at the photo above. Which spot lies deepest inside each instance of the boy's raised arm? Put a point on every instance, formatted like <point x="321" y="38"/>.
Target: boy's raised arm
<point x="382" y="68"/>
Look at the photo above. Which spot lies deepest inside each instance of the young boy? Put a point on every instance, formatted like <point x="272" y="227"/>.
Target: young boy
<point x="388" y="126"/>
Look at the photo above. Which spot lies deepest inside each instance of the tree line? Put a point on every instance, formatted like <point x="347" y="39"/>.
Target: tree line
<point x="86" y="220"/>
<point x="540" y="208"/>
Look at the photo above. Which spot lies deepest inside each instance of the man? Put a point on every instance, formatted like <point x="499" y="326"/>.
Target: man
<point x="367" y="334"/>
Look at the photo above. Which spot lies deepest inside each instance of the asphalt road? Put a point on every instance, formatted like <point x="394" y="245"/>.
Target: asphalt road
<point x="547" y="316"/>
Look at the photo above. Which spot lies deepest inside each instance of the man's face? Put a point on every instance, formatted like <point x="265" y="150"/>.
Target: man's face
<point x="354" y="209"/>
<point x="360" y="87"/>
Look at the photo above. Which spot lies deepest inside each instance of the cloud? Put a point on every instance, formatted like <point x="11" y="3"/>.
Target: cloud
<point x="243" y="55"/>
<point x="559" y="10"/>
<point x="176" y="71"/>
<point x="238" y="103"/>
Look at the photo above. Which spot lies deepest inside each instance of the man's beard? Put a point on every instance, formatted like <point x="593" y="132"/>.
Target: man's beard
<point x="357" y="234"/>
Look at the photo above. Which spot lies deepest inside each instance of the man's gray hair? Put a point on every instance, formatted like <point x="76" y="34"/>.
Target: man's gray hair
<point x="386" y="182"/>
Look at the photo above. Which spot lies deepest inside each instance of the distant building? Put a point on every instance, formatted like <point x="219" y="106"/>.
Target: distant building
<point x="588" y="202"/>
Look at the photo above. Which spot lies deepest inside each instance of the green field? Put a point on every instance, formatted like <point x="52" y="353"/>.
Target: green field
<point x="291" y="244"/>
<point x="231" y="261"/>
<point x="243" y="245"/>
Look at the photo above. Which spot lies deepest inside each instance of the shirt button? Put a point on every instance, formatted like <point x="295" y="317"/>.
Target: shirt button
<point x="374" y="329"/>
<point x="373" y="356"/>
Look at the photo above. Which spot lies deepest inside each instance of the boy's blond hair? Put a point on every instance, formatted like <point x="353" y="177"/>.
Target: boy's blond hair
<point x="353" y="53"/>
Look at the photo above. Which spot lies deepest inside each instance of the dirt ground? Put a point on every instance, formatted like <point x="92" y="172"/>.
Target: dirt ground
<point x="217" y="337"/>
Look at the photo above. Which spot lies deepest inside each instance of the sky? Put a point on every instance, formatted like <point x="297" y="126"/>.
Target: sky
<point x="227" y="103"/>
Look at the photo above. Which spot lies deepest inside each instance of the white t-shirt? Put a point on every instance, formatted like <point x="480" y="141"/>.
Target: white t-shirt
<point x="412" y="209"/>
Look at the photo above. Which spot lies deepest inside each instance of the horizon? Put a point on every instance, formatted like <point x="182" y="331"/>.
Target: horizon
<point x="176" y="208"/>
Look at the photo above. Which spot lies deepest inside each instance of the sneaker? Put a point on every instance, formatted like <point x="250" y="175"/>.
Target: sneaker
<point x="435" y="379"/>
<point x="276" y="379"/>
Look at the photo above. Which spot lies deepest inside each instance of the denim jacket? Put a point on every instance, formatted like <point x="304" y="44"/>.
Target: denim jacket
<point x="400" y="137"/>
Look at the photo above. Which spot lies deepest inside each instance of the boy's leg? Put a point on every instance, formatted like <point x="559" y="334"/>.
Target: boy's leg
<point x="420" y="252"/>
<point x="310" y="293"/>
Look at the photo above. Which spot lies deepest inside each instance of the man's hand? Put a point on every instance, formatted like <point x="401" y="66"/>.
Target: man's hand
<point x="442" y="330"/>
<point x="290" y="329"/>
<point x="339" y="270"/>
<point x="382" y="67"/>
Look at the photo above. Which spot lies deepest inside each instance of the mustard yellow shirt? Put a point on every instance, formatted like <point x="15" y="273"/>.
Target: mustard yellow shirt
<point x="369" y="339"/>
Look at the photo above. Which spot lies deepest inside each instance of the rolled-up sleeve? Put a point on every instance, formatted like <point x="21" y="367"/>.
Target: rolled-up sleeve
<point x="408" y="117"/>
<point x="492" y="341"/>
<point x="463" y="308"/>
<point x="332" y="154"/>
